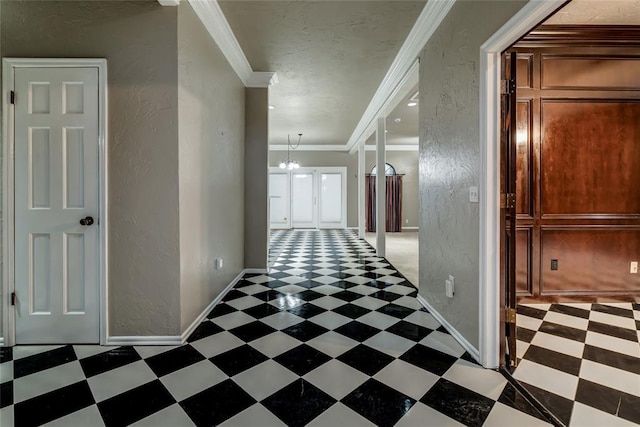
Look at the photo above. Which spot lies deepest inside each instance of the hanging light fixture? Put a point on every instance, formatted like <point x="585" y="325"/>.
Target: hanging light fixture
<point x="290" y="164"/>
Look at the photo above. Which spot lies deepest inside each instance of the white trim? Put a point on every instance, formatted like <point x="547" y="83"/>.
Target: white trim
<point x="410" y="228"/>
<point x="453" y="331"/>
<point x="400" y="147"/>
<point x="210" y="307"/>
<point x="489" y="275"/>
<point x="256" y="271"/>
<point x="335" y="147"/>
<point x="172" y="340"/>
<point x="1" y="342"/>
<point x="169" y="2"/>
<point x="261" y="79"/>
<point x="428" y="21"/>
<point x="8" y="82"/>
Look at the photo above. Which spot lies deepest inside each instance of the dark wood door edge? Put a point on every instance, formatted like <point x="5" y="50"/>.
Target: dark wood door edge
<point x="532" y="400"/>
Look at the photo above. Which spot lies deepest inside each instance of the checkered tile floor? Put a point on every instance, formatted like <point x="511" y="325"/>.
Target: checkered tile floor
<point x="332" y="336"/>
<point x="582" y="361"/>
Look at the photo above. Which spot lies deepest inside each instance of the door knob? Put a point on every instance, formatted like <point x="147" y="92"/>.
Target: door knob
<point x="86" y="221"/>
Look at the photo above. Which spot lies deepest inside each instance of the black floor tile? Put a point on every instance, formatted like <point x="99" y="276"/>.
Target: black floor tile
<point x="217" y="404"/>
<point x="135" y="404"/>
<point x="531" y="312"/>
<point x="598" y="396"/>
<point x="170" y="361"/>
<point x="459" y="403"/>
<point x="6" y="394"/>
<point x="204" y="329"/>
<point x="563" y="331"/>
<point x="395" y="310"/>
<point x="357" y="331"/>
<point x="379" y="403"/>
<point x="55" y="404"/>
<point x="386" y="296"/>
<point x="347" y="296"/>
<point x="309" y="295"/>
<point x="252" y="331"/>
<point x="220" y="310"/>
<point x="612" y="330"/>
<point x="269" y="295"/>
<point x="510" y="396"/>
<point x="6" y="354"/>
<point x="553" y="359"/>
<point x="630" y="408"/>
<point x="306" y="311"/>
<point x="351" y="310"/>
<point x="298" y="403"/>
<point x="429" y="359"/>
<point x="238" y="360"/>
<point x="366" y="359"/>
<point x="108" y="360"/>
<point x="305" y="331"/>
<point x="616" y="311"/>
<point x="559" y="406"/>
<point x="524" y="334"/>
<point x="612" y="358"/>
<point x="302" y="359"/>
<point x="410" y="331"/>
<point x="233" y="294"/>
<point x="41" y="361"/>
<point x="570" y="311"/>
<point x="262" y="310"/>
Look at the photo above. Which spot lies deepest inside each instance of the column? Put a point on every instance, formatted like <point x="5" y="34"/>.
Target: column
<point x="381" y="188"/>
<point x="361" y="190"/>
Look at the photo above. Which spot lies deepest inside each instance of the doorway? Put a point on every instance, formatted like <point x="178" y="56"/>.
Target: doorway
<point x="54" y="242"/>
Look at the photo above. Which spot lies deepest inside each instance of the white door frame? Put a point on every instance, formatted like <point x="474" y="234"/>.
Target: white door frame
<point x="280" y="171"/>
<point x="521" y="23"/>
<point x="8" y="236"/>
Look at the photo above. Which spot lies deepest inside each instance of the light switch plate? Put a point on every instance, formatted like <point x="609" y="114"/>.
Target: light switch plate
<point x="473" y="194"/>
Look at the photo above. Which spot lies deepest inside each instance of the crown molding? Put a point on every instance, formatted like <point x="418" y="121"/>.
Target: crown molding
<point x="426" y="24"/>
<point x="337" y="147"/>
<point x="218" y="27"/>
<point x="169" y="2"/>
<point x="399" y="147"/>
<point x="261" y="79"/>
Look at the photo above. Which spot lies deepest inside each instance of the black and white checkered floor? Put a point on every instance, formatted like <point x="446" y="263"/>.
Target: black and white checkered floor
<point x="332" y="336"/>
<point x="582" y="361"/>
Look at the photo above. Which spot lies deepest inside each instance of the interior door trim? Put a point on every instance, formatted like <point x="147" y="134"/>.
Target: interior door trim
<point x="9" y="65"/>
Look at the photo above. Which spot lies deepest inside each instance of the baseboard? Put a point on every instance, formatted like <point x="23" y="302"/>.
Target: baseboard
<point x="209" y="307"/>
<point x="145" y="340"/>
<point x="409" y="228"/>
<point x="255" y="271"/>
<point x="1" y="341"/>
<point x="453" y="331"/>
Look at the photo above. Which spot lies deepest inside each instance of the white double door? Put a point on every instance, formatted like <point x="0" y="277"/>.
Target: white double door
<point x="56" y="186"/>
<point x="308" y="198"/>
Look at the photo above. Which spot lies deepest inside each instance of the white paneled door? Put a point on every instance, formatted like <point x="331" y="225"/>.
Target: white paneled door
<point x="56" y="205"/>
<point x="279" y="200"/>
<point x="303" y="199"/>
<point x="332" y="208"/>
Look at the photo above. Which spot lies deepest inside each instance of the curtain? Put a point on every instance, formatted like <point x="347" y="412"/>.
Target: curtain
<point x="393" y="203"/>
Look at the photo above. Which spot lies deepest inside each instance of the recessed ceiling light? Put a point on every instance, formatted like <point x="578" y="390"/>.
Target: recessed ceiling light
<point x="271" y="107"/>
<point x="412" y="104"/>
<point x="397" y="120"/>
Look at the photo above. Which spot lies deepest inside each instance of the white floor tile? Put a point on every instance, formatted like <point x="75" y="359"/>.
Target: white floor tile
<point x="233" y="320"/>
<point x="559" y="344"/>
<point x="263" y="380"/>
<point x="444" y="343"/>
<point x="586" y="416"/>
<point x="260" y="279"/>
<point x="275" y="344"/>
<point x="286" y="302"/>
<point x="610" y="319"/>
<point x="172" y="416"/>
<point x="527" y="322"/>
<point x="332" y="343"/>
<point x="282" y="320"/>
<point x="358" y="280"/>
<point x="370" y="303"/>
<point x="326" y="271"/>
<point x="521" y="348"/>
<point x="217" y="344"/>
<point x="364" y="289"/>
<point x="336" y="378"/>
<point x="378" y="320"/>
<point x="116" y="381"/>
<point x="326" y="280"/>
<point x="48" y="380"/>
<point x="6" y="416"/>
<point x="422" y="415"/>
<point x="618" y="345"/>
<point x="546" y="378"/>
<point x="193" y="379"/>
<point x="330" y="320"/>
<point x="254" y="289"/>
<point x="147" y="351"/>
<point x="328" y="302"/>
<point x="483" y="381"/>
<point x="327" y="289"/>
<point x="89" y="416"/>
<point x="409" y="302"/>
<point x="389" y="343"/>
<point x="391" y="279"/>
<point x="6" y="371"/>
<point x="384" y="271"/>
<point x="610" y="377"/>
<point x="407" y="378"/>
<point x="21" y="351"/>
<point x="566" y="320"/>
<point x="244" y="302"/>
<point x="340" y="416"/>
<point x="503" y="415"/>
<point x="256" y="415"/>
<point x="292" y="280"/>
<point x="399" y="289"/>
<point x="423" y="318"/>
<point x="83" y="351"/>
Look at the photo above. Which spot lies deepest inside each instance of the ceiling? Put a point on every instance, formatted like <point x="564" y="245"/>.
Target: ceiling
<point x="330" y="57"/>
<point x="601" y="12"/>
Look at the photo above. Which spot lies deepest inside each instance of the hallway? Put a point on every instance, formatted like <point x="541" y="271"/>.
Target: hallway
<point x="331" y="336"/>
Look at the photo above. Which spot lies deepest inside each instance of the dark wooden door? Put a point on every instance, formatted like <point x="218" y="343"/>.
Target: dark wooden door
<point x="508" y="173"/>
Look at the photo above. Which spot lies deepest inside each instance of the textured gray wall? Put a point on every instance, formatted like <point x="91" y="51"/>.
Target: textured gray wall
<point x="139" y="40"/>
<point x="449" y="158"/>
<point x="211" y="148"/>
<point x="256" y="178"/>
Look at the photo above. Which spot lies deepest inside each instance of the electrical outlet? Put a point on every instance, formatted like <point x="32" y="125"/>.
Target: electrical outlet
<point x="554" y="264"/>
<point x="634" y="267"/>
<point x="219" y="263"/>
<point x="406" y="221"/>
<point x="449" y="287"/>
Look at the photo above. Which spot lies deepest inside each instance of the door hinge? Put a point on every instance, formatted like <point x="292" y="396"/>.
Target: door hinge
<point x="13" y="97"/>
<point x="507" y="87"/>
<point x="507" y="201"/>
<point x="510" y="315"/>
<point x="13" y="298"/>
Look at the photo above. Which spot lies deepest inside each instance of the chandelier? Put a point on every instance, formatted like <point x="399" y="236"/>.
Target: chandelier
<point x="290" y="164"/>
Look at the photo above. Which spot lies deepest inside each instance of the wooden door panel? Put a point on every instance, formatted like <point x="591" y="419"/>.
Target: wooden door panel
<point x="589" y="260"/>
<point x="590" y="72"/>
<point x="523" y="262"/>
<point x="524" y="70"/>
<point x="524" y="122"/>
<point x="589" y="157"/>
